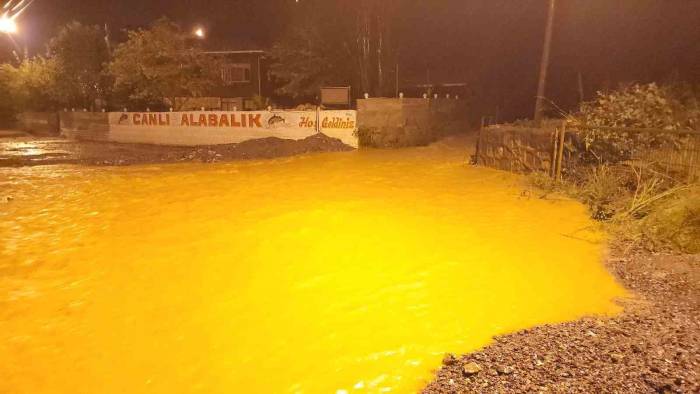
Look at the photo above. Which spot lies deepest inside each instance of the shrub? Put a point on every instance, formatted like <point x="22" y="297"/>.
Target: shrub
<point x="365" y="136"/>
<point x="635" y="106"/>
<point x="671" y="223"/>
<point x="604" y="191"/>
<point x="260" y="103"/>
<point x="618" y="174"/>
<point x="29" y="86"/>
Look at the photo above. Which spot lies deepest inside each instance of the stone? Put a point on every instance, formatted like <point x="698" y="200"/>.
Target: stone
<point x="449" y="359"/>
<point x="471" y="368"/>
<point x="504" y="370"/>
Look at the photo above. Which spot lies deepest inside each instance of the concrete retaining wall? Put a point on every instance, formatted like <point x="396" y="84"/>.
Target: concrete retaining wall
<point x="207" y="128"/>
<point x="39" y="123"/>
<point x="93" y="126"/>
<point x="516" y="149"/>
<point x="385" y="122"/>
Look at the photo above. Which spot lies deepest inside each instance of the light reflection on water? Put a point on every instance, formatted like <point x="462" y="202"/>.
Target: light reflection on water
<point x="332" y="273"/>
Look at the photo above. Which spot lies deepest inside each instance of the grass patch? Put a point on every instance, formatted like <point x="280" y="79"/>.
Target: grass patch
<point x="637" y="205"/>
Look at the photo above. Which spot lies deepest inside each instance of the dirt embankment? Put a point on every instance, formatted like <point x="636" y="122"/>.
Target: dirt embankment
<point x="17" y="151"/>
<point x="653" y="347"/>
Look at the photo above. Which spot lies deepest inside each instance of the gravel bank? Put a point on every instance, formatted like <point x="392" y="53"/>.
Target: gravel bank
<point x="27" y="151"/>
<point x="653" y="347"/>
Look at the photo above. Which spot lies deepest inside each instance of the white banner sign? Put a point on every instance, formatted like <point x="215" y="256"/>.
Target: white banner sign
<point x="211" y="128"/>
<point x="339" y="124"/>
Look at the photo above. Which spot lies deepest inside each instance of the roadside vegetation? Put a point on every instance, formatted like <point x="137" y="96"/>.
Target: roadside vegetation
<point x="624" y="177"/>
<point x="343" y="42"/>
<point x="83" y="69"/>
<point x="155" y="67"/>
<point x="647" y="203"/>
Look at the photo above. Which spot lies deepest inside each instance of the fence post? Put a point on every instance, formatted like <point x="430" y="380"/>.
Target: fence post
<point x="318" y="119"/>
<point x="692" y="153"/>
<point x="562" y="136"/>
<point x="555" y="151"/>
<point x="478" y="142"/>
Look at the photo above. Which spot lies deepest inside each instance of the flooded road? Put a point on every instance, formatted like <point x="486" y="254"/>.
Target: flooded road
<point x="333" y="273"/>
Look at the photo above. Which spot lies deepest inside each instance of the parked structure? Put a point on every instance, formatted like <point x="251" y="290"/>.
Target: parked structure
<point x="244" y="75"/>
<point x="454" y="89"/>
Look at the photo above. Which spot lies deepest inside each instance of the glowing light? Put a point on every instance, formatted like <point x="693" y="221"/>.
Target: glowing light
<point x="9" y="12"/>
<point x="7" y="25"/>
<point x="199" y="32"/>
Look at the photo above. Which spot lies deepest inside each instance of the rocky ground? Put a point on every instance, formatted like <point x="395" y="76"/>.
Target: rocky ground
<point x="18" y="149"/>
<point x="653" y="347"/>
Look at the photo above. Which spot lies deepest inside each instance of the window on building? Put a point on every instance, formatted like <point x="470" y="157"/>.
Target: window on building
<point x="235" y="73"/>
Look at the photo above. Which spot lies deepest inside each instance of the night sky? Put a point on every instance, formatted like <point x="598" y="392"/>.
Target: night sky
<point x="493" y="45"/>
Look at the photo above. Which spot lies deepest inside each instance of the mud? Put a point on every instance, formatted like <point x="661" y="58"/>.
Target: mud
<point x="18" y="150"/>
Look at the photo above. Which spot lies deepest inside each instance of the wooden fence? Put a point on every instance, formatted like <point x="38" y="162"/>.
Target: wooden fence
<point x="679" y="156"/>
<point x="556" y="149"/>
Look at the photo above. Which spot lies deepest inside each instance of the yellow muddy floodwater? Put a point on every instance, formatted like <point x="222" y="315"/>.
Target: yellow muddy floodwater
<point x="334" y="273"/>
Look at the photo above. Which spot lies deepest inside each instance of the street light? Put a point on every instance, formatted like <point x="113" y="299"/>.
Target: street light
<point x="10" y="11"/>
<point x="199" y="32"/>
<point x="7" y="25"/>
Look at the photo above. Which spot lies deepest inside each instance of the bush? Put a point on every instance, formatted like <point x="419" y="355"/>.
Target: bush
<point x="30" y="86"/>
<point x="635" y="106"/>
<point x="616" y="175"/>
<point x="672" y="223"/>
<point x="365" y="136"/>
<point x="260" y="103"/>
<point x="8" y="108"/>
<point x="604" y="191"/>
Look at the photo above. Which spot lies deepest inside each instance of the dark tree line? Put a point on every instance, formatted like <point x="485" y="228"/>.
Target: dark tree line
<point x="79" y="70"/>
<point x="350" y="42"/>
<point x="345" y="42"/>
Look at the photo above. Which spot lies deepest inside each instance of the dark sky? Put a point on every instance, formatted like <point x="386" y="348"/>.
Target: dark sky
<point x="494" y="45"/>
<point x="233" y="21"/>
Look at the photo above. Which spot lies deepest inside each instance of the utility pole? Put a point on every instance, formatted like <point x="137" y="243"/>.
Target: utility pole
<point x="108" y="41"/>
<point x="544" y="66"/>
<point x="581" y="95"/>
<point x="397" y="79"/>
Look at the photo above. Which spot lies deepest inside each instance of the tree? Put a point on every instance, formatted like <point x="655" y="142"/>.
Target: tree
<point x="340" y="42"/>
<point x="30" y="86"/>
<point x="375" y="42"/>
<point x="159" y="67"/>
<point x="80" y="54"/>
<point x="7" y="105"/>
<point x="306" y="62"/>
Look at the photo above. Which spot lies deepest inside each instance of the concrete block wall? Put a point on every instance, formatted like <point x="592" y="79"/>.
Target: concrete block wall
<point x="392" y="123"/>
<point x="39" y="123"/>
<point x="516" y="149"/>
<point x="93" y="126"/>
<point x="206" y="128"/>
